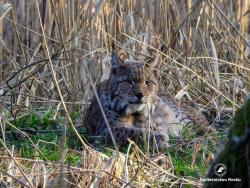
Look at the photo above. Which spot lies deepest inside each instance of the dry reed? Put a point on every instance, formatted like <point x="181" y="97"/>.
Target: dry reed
<point x="47" y="45"/>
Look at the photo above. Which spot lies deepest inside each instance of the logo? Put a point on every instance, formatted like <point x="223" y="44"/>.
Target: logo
<point x="220" y="169"/>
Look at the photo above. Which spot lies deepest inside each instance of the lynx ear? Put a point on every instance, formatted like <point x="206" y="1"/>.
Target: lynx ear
<point x="115" y="60"/>
<point x="156" y="62"/>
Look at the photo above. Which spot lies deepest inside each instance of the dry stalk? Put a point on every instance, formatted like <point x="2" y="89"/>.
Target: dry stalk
<point x="56" y="82"/>
<point x="16" y="163"/>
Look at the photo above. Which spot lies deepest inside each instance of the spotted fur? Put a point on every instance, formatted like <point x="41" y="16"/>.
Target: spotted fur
<point x="134" y="109"/>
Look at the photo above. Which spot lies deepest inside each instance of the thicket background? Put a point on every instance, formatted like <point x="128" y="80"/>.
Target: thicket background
<point x="50" y="48"/>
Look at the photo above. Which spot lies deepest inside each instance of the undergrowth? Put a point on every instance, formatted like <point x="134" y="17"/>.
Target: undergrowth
<point x="46" y="131"/>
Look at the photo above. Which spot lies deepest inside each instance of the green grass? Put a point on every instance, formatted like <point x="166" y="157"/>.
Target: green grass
<point x="183" y="166"/>
<point x="182" y="154"/>
<point x="47" y="133"/>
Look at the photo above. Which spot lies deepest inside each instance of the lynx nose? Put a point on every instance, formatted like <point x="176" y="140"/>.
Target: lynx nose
<point x="139" y="95"/>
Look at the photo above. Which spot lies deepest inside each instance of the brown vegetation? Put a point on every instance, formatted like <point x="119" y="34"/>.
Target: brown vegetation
<point x="49" y="50"/>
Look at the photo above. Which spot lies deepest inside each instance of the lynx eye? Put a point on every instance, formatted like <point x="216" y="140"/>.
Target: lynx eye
<point x="148" y="82"/>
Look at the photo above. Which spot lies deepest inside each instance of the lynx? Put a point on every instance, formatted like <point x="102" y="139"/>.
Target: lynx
<point x="134" y="109"/>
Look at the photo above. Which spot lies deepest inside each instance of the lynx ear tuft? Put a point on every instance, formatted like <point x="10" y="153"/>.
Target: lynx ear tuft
<point x="115" y="60"/>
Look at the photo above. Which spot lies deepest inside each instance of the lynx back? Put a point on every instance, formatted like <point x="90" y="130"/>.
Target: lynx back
<point x="130" y="101"/>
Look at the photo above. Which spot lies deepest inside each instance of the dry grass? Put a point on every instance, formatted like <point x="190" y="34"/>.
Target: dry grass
<point x="44" y="44"/>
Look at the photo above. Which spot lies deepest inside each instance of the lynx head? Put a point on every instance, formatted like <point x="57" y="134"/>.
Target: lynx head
<point x="133" y="86"/>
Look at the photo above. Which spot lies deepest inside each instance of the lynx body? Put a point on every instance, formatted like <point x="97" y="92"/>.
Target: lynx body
<point x="134" y="109"/>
